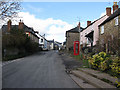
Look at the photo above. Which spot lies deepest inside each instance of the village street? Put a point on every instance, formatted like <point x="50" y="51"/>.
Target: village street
<point x="41" y="70"/>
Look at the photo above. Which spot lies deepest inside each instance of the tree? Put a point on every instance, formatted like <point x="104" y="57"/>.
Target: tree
<point x="9" y="8"/>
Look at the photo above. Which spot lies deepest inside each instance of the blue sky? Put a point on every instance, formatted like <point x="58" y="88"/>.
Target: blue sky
<point x="66" y="11"/>
<point x="55" y="18"/>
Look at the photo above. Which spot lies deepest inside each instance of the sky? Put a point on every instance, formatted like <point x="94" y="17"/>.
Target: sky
<point x="54" y="18"/>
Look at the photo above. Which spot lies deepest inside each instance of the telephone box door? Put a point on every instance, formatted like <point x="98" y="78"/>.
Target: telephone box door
<point x="76" y="47"/>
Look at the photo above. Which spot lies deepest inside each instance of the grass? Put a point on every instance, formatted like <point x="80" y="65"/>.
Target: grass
<point x="86" y="63"/>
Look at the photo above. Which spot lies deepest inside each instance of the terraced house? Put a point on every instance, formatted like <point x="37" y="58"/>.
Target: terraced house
<point x="28" y="30"/>
<point x="110" y="31"/>
<point x="90" y="35"/>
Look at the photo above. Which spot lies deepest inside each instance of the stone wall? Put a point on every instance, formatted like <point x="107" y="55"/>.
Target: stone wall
<point x="119" y="27"/>
<point x="110" y="31"/>
<point x="71" y="37"/>
<point x="0" y="45"/>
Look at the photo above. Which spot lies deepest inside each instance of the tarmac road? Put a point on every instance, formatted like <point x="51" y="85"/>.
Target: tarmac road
<point x="41" y="70"/>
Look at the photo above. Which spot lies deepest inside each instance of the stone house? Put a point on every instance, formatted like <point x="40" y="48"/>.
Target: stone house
<point x="110" y="30"/>
<point x="71" y="36"/>
<point x="90" y="35"/>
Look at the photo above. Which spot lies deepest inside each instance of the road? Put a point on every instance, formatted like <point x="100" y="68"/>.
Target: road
<point x="41" y="70"/>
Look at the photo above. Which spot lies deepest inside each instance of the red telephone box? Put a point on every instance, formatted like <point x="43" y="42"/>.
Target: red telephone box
<point x="76" y="47"/>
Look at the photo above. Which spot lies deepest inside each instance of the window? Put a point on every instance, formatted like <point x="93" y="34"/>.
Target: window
<point x="81" y="42"/>
<point x="102" y="29"/>
<point x="88" y="42"/>
<point x="116" y="21"/>
<point x="41" y="40"/>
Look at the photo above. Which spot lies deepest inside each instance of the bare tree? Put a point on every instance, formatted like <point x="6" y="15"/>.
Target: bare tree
<point x="9" y="8"/>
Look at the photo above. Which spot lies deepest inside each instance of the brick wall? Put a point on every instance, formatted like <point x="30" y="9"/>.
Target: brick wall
<point x="71" y="37"/>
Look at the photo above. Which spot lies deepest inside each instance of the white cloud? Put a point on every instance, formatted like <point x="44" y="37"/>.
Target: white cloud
<point x="102" y="14"/>
<point x="54" y="29"/>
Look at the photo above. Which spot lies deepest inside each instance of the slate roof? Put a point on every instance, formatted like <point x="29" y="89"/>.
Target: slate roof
<point x="25" y="28"/>
<point x="115" y="14"/>
<point x="51" y="41"/>
<point x="94" y="22"/>
<point x="58" y="42"/>
<point x="43" y="37"/>
<point x="75" y="30"/>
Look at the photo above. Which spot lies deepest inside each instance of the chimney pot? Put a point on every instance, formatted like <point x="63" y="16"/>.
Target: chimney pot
<point x="78" y="26"/>
<point x="21" y="24"/>
<point x="115" y="7"/>
<point x="108" y="11"/>
<point x="88" y="23"/>
<point x="9" y="25"/>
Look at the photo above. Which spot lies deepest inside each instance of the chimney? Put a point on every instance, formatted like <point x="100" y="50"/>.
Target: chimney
<point x="21" y="24"/>
<point x="108" y="11"/>
<point x="88" y="23"/>
<point x="9" y="25"/>
<point x="115" y="7"/>
<point x="79" y="26"/>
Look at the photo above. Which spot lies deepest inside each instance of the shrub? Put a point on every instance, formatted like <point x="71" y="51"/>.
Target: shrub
<point x="100" y="61"/>
<point x="116" y="66"/>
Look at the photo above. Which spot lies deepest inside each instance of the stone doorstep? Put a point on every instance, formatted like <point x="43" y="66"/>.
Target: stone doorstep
<point x="92" y="80"/>
<point x="81" y="83"/>
<point x="99" y="74"/>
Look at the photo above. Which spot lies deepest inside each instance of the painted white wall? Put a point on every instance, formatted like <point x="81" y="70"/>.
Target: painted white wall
<point x="93" y="27"/>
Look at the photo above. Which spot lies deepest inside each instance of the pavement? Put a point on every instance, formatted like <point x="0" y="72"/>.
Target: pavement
<point x="70" y="62"/>
<point x="41" y="70"/>
<point x="86" y="77"/>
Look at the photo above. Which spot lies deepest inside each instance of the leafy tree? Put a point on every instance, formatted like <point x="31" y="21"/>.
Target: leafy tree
<point x="18" y="39"/>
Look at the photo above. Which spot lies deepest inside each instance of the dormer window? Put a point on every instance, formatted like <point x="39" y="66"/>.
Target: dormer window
<point x="116" y="21"/>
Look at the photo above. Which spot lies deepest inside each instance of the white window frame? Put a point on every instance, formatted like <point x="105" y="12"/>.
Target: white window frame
<point x="102" y="29"/>
<point x="116" y="20"/>
<point x="88" y="42"/>
<point x="41" y="40"/>
<point x="81" y="42"/>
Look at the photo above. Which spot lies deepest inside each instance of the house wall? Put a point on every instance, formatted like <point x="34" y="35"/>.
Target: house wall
<point x="32" y="37"/>
<point x="119" y="27"/>
<point x="45" y="45"/>
<point x="48" y="45"/>
<point x="110" y="31"/>
<point x="70" y="38"/>
<point x="93" y="27"/>
<point x="51" y="46"/>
